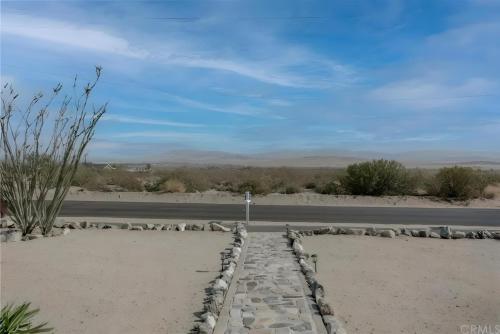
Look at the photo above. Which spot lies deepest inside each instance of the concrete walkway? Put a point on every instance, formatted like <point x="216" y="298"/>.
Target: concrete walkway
<point x="271" y="295"/>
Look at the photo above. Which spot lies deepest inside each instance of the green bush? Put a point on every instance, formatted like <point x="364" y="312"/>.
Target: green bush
<point x="458" y="182"/>
<point x="377" y="178"/>
<point x="18" y="320"/>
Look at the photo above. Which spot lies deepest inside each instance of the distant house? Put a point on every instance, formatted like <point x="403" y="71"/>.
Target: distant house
<point x="139" y="168"/>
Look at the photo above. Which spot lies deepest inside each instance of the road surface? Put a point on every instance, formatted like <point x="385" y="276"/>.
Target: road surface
<point x="283" y="213"/>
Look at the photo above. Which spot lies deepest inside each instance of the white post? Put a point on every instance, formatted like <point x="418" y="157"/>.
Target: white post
<point x="248" y="199"/>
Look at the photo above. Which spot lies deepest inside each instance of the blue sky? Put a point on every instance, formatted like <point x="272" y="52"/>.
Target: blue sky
<point x="260" y="76"/>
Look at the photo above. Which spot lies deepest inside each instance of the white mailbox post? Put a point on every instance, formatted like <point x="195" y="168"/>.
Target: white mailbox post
<point x="248" y="200"/>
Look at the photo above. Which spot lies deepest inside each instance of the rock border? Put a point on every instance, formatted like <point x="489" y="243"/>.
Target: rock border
<point x="441" y="232"/>
<point x="217" y="293"/>
<point x="332" y="324"/>
<point x="9" y="233"/>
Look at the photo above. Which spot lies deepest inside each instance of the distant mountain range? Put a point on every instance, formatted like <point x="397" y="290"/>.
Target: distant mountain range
<point x="323" y="158"/>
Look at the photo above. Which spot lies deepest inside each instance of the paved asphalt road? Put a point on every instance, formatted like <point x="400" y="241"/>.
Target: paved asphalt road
<point x="277" y="213"/>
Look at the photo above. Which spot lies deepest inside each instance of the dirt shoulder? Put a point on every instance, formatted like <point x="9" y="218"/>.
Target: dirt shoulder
<point x="215" y="197"/>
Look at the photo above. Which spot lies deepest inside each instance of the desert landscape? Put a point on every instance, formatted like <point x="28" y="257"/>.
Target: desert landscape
<point x="114" y="281"/>
<point x="409" y="285"/>
<point x="250" y="167"/>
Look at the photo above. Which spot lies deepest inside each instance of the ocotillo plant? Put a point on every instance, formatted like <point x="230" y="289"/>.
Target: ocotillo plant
<point x="41" y="152"/>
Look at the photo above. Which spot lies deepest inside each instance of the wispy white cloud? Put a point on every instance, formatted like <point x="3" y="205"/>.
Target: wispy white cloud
<point x="429" y="93"/>
<point x="283" y="71"/>
<point x="148" y="121"/>
<point x="68" y="34"/>
<point x="174" y="136"/>
<point x="241" y="109"/>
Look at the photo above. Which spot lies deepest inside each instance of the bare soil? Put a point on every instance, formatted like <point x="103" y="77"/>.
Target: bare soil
<point x="114" y="281"/>
<point x="409" y="285"/>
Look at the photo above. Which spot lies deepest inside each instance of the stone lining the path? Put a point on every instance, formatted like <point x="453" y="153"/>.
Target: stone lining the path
<point x="442" y="232"/>
<point x="9" y="232"/>
<point x="218" y="291"/>
<point x="332" y="324"/>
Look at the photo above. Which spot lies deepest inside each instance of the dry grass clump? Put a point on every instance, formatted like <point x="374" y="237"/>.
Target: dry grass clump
<point x="173" y="186"/>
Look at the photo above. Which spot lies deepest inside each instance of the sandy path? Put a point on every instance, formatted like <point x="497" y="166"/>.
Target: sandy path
<point x="114" y="281"/>
<point x="403" y="285"/>
<point x="309" y="198"/>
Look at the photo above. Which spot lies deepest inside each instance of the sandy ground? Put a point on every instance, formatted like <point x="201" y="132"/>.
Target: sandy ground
<point x="114" y="281"/>
<point x="403" y="285"/>
<point x="215" y="197"/>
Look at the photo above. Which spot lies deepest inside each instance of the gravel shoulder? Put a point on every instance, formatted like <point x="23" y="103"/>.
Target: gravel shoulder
<point x="409" y="285"/>
<point x="114" y="281"/>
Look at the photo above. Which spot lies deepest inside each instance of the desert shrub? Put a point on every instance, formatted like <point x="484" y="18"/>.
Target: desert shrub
<point x="152" y="185"/>
<point x="89" y="178"/>
<point x="256" y="187"/>
<point x="291" y="189"/>
<point x="458" y="182"/>
<point x="377" y="178"/>
<point x="124" y="179"/>
<point x="173" y="186"/>
<point x="311" y="185"/>
<point x="18" y="319"/>
<point x="331" y="188"/>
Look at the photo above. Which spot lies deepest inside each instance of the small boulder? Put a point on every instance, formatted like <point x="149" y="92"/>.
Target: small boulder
<point x="445" y="232"/>
<point x="166" y="227"/>
<point x="434" y="235"/>
<point x="219" y="227"/>
<point x="14" y="236"/>
<point x="388" y="234"/>
<point x="74" y="225"/>
<point x="414" y="233"/>
<point x="158" y="227"/>
<point x="84" y="224"/>
<point x="126" y="226"/>
<point x="180" y="227"/>
<point x="371" y="231"/>
<point x="471" y="235"/>
<point x="355" y="231"/>
<point x="58" y="224"/>
<point x="148" y="226"/>
<point x="197" y="227"/>
<point x="406" y="232"/>
<point x="333" y="230"/>
<point x="107" y="227"/>
<point x="220" y="285"/>
<point x="65" y="231"/>
<point x="321" y="231"/>
<point x="423" y="233"/>
<point x="324" y="307"/>
<point x="484" y="234"/>
<point x="136" y="228"/>
<point x="458" y="235"/>
<point x="33" y="236"/>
